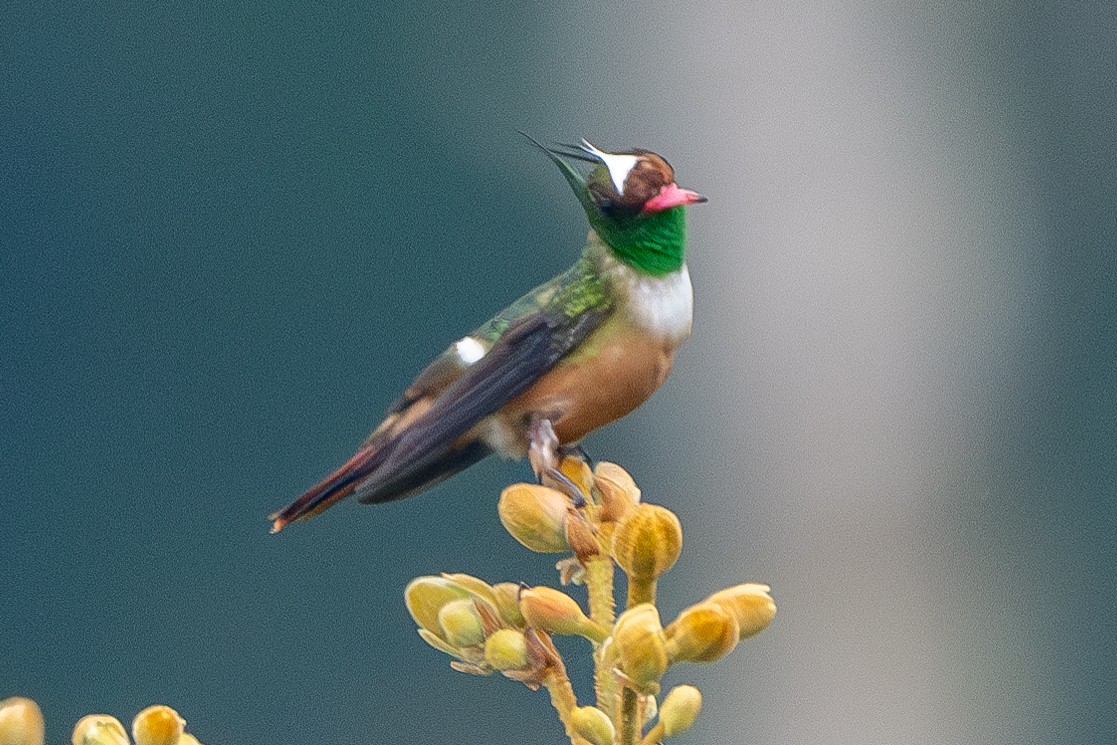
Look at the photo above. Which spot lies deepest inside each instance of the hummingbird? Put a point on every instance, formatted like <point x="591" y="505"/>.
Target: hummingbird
<point x="577" y="352"/>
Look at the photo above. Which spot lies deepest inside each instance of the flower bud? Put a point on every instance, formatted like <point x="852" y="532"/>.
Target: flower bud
<point x="592" y="725"/>
<point x="616" y="491"/>
<point x="606" y="471"/>
<point x="188" y="739"/>
<point x="483" y="596"/>
<point x="507" y="597"/>
<point x="638" y="637"/>
<point x="579" y="473"/>
<point x="615" y="502"/>
<point x="647" y="542"/>
<point x="439" y="643"/>
<point x="98" y="729"/>
<point x="750" y="604"/>
<point x="556" y="612"/>
<point x="581" y="538"/>
<point x="158" y="725"/>
<point x="21" y="722"/>
<point x="506" y="649"/>
<point x="702" y="633"/>
<point x="425" y="597"/>
<point x="535" y="516"/>
<point x="679" y="710"/>
<point x="479" y="588"/>
<point x="461" y="624"/>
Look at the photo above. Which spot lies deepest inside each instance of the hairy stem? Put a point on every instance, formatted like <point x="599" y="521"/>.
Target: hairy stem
<point x="654" y="735"/>
<point x="629" y="725"/>
<point x="564" y="701"/>
<point x="605" y="681"/>
<point x="640" y="591"/>
<point x="599" y="583"/>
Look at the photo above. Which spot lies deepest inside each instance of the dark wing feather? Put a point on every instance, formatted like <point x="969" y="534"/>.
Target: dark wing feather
<point x="415" y="480"/>
<point x="524" y="353"/>
<point x="396" y="463"/>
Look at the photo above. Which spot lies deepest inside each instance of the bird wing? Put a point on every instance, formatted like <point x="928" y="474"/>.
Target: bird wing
<point x="530" y="346"/>
<point x="448" y="366"/>
<point x="415" y="446"/>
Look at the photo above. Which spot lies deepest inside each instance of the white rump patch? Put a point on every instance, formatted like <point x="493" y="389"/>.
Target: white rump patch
<point x="619" y="165"/>
<point x="469" y="350"/>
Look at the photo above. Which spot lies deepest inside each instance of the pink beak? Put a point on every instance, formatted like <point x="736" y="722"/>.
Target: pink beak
<point x="672" y="196"/>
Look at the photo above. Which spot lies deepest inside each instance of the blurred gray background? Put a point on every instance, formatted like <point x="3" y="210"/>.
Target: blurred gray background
<point x="230" y="232"/>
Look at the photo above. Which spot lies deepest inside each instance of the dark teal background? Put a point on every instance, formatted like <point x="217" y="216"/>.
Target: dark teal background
<point x="230" y="232"/>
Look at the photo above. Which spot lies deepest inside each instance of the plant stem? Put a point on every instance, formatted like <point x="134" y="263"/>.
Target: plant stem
<point x="605" y="681"/>
<point x="562" y="698"/>
<point x="599" y="584"/>
<point x="630" y="724"/>
<point x="640" y="591"/>
<point x="654" y="735"/>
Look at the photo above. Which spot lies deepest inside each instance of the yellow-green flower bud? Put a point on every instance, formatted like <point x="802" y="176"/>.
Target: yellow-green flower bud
<point x="21" y="722"/>
<point x="461" y="624"/>
<point x="581" y="537"/>
<point x="506" y="649"/>
<point x="158" y="725"/>
<point x="535" y="516"/>
<point x="556" y="612"/>
<point x="188" y="739"/>
<point x="616" y="490"/>
<point x="750" y="604"/>
<point x="640" y="649"/>
<point x="439" y="643"/>
<point x="578" y="472"/>
<point x="592" y="725"/>
<point x="679" y="710"/>
<point x="98" y="729"/>
<point x="647" y="542"/>
<point x="474" y="586"/>
<point x="507" y="596"/>
<point x="702" y="633"/>
<point x="612" y="472"/>
<point x="425" y="597"/>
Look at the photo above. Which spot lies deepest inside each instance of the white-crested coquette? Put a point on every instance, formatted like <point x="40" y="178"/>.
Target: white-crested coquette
<point x="575" y="353"/>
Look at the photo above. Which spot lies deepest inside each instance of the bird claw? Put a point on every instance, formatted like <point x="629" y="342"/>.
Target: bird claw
<point x="544" y="455"/>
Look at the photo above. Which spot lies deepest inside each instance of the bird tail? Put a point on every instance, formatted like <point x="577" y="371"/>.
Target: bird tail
<point x="372" y="477"/>
<point x="332" y="489"/>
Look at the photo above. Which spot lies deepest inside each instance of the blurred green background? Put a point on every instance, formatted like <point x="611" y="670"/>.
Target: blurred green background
<point x="230" y="232"/>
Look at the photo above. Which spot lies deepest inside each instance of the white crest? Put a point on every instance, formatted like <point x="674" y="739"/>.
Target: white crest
<point x="619" y="165"/>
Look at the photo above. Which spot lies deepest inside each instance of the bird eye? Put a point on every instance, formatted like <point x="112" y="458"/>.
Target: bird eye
<point x="602" y="196"/>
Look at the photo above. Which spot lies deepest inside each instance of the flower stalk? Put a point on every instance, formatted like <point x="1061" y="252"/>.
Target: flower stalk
<point x="507" y="628"/>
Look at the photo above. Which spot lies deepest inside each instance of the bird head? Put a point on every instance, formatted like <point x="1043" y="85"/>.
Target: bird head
<point x="625" y="183"/>
<point x="631" y="200"/>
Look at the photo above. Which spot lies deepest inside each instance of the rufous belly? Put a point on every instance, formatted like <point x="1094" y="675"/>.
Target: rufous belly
<point x="618" y="367"/>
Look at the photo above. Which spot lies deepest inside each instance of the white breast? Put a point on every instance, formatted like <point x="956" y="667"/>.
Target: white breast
<point x="662" y="305"/>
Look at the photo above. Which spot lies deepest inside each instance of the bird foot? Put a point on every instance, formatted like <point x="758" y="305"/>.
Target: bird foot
<point x="545" y="454"/>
